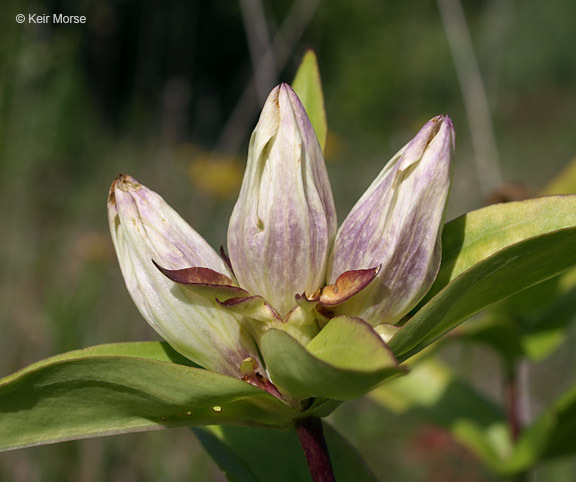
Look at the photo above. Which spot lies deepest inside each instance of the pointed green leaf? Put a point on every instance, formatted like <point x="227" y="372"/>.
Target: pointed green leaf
<point x="90" y="395"/>
<point x="345" y="360"/>
<point x="308" y="86"/>
<point x="153" y="350"/>
<point x="471" y="238"/>
<point x="531" y="323"/>
<point x="489" y="255"/>
<point x="260" y="455"/>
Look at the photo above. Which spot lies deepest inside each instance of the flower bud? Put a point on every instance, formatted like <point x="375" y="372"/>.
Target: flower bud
<point x="397" y="225"/>
<point x="146" y="231"/>
<point x="284" y="221"/>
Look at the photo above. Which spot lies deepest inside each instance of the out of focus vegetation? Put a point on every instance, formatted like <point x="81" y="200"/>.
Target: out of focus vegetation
<point x="161" y="91"/>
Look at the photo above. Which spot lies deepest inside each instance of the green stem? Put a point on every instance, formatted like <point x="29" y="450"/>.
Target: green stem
<point x="312" y="439"/>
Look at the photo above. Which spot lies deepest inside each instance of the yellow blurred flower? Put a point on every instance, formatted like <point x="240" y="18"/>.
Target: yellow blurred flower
<point x="216" y="174"/>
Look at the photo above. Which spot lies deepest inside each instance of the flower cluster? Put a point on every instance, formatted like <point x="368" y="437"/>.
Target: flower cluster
<point x="289" y="268"/>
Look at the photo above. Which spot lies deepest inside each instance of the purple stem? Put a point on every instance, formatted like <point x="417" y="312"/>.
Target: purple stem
<point x="313" y="442"/>
<point x="513" y="403"/>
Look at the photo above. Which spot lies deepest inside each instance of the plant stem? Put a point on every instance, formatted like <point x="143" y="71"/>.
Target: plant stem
<point x="312" y="439"/>
<point x="512" y="402"/>
<point x="516" y="404"/>
<point x="515" y="408"/>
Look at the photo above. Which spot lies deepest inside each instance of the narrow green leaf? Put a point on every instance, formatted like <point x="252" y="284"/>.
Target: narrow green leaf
<point x="496" y="331"/>
<point x="89" y="396"/>
<point x="308" y="86"/>
<point x="544" y="312"/>
<point x="530" y="324"/>
<point x="434" y="394"/>
<point x="345" y="360"/>
<point x="471" y="238"/>
<point x="152" y="350"/>
<point x="260" y="455"/>
<point x="489" y="255"/>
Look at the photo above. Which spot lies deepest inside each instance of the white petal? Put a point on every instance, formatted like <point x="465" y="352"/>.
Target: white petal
<point x="145" y="228"/>
<point x="284" y="221"/>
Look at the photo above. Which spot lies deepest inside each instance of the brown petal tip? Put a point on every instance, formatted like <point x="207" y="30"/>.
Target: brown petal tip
<point x="127" y="183"/>
<point x="347" y="285"/>
<point x="226" y="258"/>
<point x="124" y="183"/>
<point x="199" y="276"/>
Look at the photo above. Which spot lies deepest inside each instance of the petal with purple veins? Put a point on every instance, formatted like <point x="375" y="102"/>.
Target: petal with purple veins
<point x="397" y="224"/>
<point x="284" y="221"/>
<point x="144" y="227"/>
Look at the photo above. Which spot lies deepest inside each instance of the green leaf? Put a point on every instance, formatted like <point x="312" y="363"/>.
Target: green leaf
<point x="544" y="312"/>
<point x="489" y="255"/>
<point x="153" y="350"/>
<point x="308" y="86"/>
<point x="95" y="392"/>
<point x="434" y="394"/>
<point x="471" y="238"/>
<point x="345" y="360"/>
<point x="260" y="455"/>
<point x="499" y="332"/>
<point x="530" y="324"/>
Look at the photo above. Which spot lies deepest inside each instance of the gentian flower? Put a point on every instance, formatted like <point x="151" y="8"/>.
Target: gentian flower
<point x="298" y="309"/>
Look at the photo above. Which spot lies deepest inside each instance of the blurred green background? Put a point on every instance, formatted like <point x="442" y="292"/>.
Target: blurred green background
<point x="169" y="93"/>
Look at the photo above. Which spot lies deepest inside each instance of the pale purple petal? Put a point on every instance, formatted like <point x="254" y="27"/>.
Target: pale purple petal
<point x="397" y="224"/>
<point x="145" y="228"/>
<point x="284" y="221"/>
